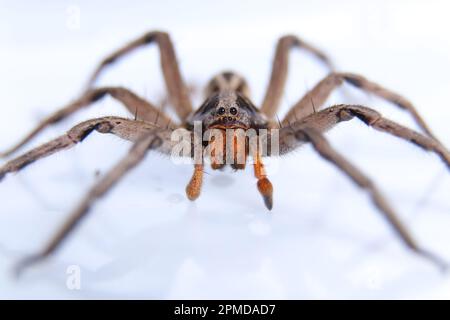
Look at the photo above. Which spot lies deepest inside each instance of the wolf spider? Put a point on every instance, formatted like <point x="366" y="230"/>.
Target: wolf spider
<point x="227" y="106"/>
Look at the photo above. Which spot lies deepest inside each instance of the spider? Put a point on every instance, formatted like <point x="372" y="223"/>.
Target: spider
<point x="227" y="106"/>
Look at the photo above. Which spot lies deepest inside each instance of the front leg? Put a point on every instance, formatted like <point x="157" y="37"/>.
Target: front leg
<point x="326" y="119"/>
<point x="314" y="99"/>
<point x="139" y="107"/>
<point x="123" y="128"/>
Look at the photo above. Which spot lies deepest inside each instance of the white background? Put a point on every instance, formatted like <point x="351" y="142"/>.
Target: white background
<point x="323" y="239"/>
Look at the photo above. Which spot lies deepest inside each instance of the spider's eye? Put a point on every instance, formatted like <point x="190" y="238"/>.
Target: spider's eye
<point x="233" y="110"/>
<point x="221" y="110"/>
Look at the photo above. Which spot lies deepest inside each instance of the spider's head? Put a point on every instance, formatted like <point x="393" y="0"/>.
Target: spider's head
<point x="231" y="111"/>
<point x="228" y="110"/>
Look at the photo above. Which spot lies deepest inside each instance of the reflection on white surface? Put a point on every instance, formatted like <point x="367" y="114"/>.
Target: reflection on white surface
<point x="323" y="239"/>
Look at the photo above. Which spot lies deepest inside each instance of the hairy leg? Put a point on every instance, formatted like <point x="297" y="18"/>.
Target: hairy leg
<point x="133" y="158"/>
<point x="141" y="108"/>
<point x="322" y="146"/>
<point x="123" y="128"/>
<point x="178" y="91"/>
<point x="316" y="97"/>
<point x="279" y="73"/>
<point x="328" y="118"/>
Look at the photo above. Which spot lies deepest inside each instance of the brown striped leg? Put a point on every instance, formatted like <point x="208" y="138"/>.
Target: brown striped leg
<point x="279" y="73"/>
<point x="133" y="158"/>
<point x="316" y="97"/>
<point x="124" y="128"/>
<point x="139" y="107"/>
<point x="322" y="146"/>
<point x="328" y="118"/>
<point x="177" y="90"/>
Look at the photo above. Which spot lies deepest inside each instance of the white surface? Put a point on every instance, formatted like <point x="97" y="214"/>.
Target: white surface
<point x="324" y="239"/>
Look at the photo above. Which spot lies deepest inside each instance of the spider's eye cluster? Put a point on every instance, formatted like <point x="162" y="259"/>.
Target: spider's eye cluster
<point x="221" y="110"/>
<point x="233" y="111"/>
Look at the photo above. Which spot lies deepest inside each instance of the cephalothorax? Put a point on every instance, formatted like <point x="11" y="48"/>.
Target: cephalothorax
<point x="227" y="106"/>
